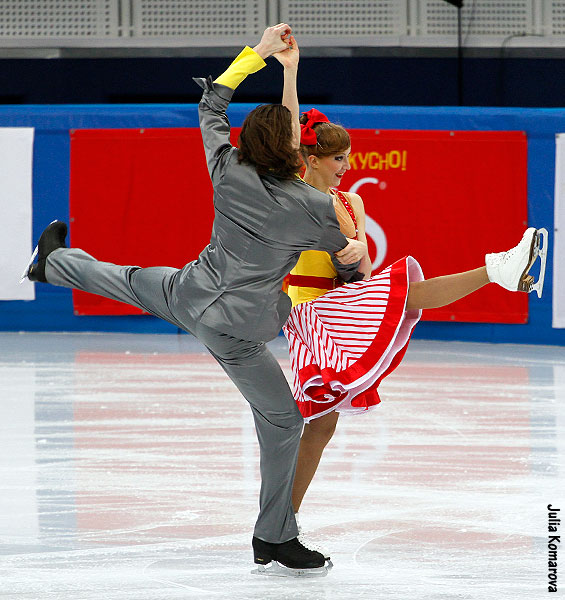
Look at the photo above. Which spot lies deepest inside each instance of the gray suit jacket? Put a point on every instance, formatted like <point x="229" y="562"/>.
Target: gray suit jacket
<point x="261" y="226"/>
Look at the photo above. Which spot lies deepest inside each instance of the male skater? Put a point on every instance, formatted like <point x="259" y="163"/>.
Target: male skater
<point x="230" y="298"/>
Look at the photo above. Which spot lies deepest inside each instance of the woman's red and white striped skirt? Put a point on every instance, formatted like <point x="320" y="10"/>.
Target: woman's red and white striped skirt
<point x="345" y="342"/>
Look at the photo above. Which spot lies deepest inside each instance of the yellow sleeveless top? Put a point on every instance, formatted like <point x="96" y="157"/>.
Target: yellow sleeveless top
<point x="315" y="263"/>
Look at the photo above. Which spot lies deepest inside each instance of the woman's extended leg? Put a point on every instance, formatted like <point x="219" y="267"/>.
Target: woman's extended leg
<point x="315" y="437"/>
<point x="508" y="269"/>
<point x="440" y="291"/>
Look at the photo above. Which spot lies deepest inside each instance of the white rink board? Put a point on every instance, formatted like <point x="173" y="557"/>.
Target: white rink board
<point x="559" y="235"/>
<point x="16" y="151"/>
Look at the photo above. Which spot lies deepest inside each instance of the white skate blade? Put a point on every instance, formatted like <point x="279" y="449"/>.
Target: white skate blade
<point x="538" y="285"/>
<point x="275" y="569"/>
<point x="26" y="270"/>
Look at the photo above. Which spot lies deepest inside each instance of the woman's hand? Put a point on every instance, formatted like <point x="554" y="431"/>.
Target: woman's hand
<point x="275" y="39"/>
<point x="354" y="251"/>
<point x="290" y="56"/>
<point x="289" y="60"/>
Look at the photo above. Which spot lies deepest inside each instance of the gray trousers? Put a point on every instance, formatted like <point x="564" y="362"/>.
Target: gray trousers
<point x="250" y="365"/>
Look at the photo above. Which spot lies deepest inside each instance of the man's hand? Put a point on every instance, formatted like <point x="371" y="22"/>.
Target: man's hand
<point x="275" y="39"/>
<point x="354" y="251"/>
<point x="290" y="56"/>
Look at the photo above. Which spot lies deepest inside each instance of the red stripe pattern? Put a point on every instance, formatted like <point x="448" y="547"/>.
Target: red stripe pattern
<point x="345" y="342"/>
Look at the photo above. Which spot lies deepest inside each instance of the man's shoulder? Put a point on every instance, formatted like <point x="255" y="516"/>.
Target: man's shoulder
<point x="306" y="192"/>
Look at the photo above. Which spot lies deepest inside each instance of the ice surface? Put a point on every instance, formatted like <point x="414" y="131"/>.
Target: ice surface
<point x="129" y="470"/>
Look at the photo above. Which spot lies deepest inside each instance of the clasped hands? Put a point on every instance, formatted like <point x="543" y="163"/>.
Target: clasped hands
<point x="275" y="39"/>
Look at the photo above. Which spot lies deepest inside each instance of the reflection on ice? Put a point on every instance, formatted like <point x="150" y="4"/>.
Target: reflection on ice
<point x="129" y="469"/>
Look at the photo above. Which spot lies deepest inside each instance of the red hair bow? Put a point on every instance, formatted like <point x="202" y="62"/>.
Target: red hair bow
<point x="307" y="134"/>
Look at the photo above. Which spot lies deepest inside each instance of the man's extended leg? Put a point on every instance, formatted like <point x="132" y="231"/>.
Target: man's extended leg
<point x="147" y="288"/>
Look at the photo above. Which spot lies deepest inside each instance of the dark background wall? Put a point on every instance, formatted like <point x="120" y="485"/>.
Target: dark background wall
<point x="372" y="80"/>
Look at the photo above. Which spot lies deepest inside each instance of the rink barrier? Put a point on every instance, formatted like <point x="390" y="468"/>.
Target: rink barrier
<point x="52" y="309"/>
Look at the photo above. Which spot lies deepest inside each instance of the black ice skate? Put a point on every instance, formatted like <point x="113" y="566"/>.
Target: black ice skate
<point x="53" y="237"/>
<point x="289" y="559"/>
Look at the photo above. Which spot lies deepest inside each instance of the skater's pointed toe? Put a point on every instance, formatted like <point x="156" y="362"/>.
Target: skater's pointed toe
<point x="52" y="238"/>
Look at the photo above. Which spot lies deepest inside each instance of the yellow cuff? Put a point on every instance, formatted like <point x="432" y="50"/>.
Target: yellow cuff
<point x="247" y="62"/>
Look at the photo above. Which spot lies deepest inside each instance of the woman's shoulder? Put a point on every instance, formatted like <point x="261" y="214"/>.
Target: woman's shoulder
<point x="356" y="203"/>
<point x="355" y="199"/>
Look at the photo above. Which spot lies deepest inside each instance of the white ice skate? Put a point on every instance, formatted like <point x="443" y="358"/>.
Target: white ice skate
<point x="511" y="269"/>
<point x="309" y="543"/>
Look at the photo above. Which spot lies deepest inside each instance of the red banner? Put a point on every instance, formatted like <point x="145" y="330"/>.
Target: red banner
<point x="144" y="197"/>
<point x="138" y="197"/>
<point x="447" y="198"/>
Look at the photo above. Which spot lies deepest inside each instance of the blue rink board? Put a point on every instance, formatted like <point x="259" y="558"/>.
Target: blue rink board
<point x="52" y="310"/>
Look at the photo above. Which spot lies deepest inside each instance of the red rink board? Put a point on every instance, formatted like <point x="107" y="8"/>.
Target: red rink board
<point x="138" y="197"/>
<point x="143" y="197"/>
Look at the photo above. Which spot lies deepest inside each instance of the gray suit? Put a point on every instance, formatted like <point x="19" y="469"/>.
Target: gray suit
<point x="230" y="297"/>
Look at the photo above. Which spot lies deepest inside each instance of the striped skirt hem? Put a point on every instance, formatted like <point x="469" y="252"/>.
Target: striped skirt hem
<point x="344" y="343"/>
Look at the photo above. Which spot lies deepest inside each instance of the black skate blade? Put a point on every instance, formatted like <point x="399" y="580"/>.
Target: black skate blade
<point x="275" y="569"/>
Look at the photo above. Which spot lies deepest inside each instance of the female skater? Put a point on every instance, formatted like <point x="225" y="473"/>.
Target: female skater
<point x="344" y="340"/>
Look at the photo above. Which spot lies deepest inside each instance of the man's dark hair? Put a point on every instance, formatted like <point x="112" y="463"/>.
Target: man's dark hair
<point x="266" y="142"/>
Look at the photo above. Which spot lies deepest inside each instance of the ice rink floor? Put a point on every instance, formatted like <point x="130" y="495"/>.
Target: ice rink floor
<point x="129" y="470"/>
